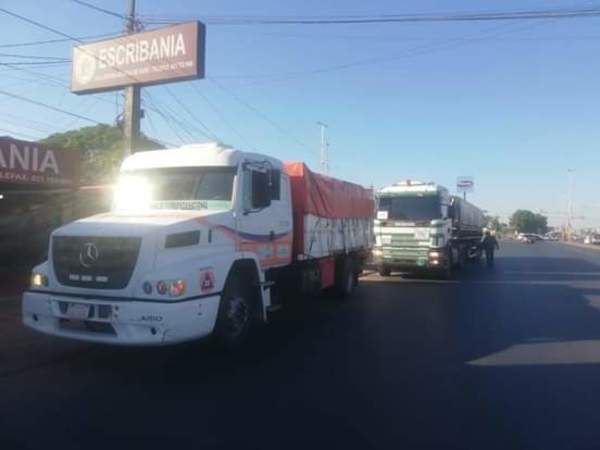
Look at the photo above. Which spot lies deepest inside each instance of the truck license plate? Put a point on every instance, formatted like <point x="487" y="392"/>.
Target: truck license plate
<point x="78" y="311"/>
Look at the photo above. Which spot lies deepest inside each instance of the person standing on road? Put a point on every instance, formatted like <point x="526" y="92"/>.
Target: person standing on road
<point x="489" y="243"/>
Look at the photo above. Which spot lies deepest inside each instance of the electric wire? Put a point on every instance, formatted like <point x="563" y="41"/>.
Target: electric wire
<point x="50" y="107"/>
<point x="221" y="115"/>
<point x="56" y="41"/>
<point x="387" y="18"/>
<point x="261" y="114"/>
<point x="99" y="9"/>
<point x="206" y="131"/>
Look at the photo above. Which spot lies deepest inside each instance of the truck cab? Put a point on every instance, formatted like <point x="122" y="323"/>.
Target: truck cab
<point x="412" y="228"/>
<point x="188" y="228"/>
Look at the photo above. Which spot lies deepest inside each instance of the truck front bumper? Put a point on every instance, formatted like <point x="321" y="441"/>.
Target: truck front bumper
<point x="120" y="321"/>
<point x="425" y="263"/>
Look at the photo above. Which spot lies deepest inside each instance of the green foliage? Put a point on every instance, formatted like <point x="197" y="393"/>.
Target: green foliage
<point x="493" y="223"/>
<point x="525" y="221"/>
<point x="101" y="148"/>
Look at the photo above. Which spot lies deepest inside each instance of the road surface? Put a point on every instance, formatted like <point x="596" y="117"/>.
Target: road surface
<point x="499" y="358"/>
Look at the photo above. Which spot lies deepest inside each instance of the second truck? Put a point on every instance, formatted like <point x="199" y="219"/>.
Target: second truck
<point x="421" y="227"/>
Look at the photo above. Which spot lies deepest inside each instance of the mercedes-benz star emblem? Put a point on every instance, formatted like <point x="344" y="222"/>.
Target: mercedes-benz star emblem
<point x="89" y="255"/>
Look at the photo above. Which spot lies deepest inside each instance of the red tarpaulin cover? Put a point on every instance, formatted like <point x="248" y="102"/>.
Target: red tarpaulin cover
<point x="323" y="196"/>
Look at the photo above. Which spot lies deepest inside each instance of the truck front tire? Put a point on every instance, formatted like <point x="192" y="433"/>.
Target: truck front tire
<point x="446" y="273"/>
<point x="236" y="312"/>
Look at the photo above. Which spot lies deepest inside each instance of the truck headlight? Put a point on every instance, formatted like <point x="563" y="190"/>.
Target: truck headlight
<point x="38" y="280"/>
<point x="377" y="252"/>
<point x="177" y="288"/>
<point x="434" y="255"/>
<point x="172" y="288"/>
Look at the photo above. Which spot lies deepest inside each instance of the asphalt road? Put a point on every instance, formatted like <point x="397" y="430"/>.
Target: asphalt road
<point x="502" y="358"/>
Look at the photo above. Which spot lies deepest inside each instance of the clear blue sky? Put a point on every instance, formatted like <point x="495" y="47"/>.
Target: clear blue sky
<point x="514" y="104"/>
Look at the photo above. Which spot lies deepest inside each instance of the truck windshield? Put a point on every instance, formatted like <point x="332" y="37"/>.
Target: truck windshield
<point x="175" y="188"/>
<point x="411" y="208"/>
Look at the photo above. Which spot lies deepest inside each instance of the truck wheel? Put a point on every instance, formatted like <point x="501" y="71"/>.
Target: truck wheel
<point x="344" y="283"/>
<point x="384" y="271"/>
<point x="446" y="273"/>
<point x="462" y="258"/>
<point x="236" y="312"/>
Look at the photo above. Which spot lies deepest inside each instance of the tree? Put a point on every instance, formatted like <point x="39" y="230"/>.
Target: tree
<point x="493" y="222"/>
<point x="101" y="148"/>
<point x="525" y="221"/>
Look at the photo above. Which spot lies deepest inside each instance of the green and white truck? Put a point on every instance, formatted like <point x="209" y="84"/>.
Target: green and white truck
<point x="421" y="227"/>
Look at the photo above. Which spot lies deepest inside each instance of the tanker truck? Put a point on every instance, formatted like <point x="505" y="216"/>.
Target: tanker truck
<point x="201" y="240"/>
<point x="420" y="227"/>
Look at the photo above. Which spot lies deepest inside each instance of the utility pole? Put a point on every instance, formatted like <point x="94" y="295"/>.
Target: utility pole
<point x="570" y="205"/>
<point x="132" y="107"/>
<point x="324" y="160"/>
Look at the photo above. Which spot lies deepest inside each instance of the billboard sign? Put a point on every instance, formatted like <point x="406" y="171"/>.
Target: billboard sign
<point x="30" y="163"/>
<point x="168" y="54"/>
<point x="465" y="184"/>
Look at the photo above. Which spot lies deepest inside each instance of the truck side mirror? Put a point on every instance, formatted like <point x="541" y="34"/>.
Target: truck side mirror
<point x="261" y="190"/>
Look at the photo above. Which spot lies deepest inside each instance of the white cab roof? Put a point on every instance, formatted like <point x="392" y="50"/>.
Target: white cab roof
<point x="412" y="186"/>
<point x="194" y="155"/>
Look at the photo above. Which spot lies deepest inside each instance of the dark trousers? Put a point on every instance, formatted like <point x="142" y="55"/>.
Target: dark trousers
<point x="489" y="254"/>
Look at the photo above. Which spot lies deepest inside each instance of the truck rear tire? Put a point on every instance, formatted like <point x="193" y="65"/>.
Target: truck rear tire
<point x="344" y="280"/>
<point x="236" y="313"/>
<point x="462" y="258"/>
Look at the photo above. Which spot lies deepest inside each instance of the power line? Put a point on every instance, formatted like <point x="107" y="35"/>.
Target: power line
<point x="99" y="9"/>
<point x="389" y="18"/>
<point x="260" y="114"/>
<point x="40" y="25"/>
<point x="56" y="41"/>
<point x="20" y="56"/>
<point x="207" y="133"/>
<point x="412" y="52"/>
<point x="159" y="111"/>
<point x="18" y="133"/>
<point x="65" y="35"/>
<point x="37" y="63"/>
<point x="27" y="123"/>
<point x="50" y="107"/>
<point x="49" y="79"/>
<point x="221" y="115"/>
<point x="175" y="117"/>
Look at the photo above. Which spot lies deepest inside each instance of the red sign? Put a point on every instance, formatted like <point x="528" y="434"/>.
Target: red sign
<point x="23" y="162"/>
<point x="173" y="53"/>
<point x="207" y="279"/>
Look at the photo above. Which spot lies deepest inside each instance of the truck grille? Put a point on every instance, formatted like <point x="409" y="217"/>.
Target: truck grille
<point x="405" y="247"/>
<point x="95" y="262"/>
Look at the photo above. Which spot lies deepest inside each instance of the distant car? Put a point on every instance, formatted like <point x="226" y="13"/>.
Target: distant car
<point x="528" y="238"/>
<point x="592" y="239"/>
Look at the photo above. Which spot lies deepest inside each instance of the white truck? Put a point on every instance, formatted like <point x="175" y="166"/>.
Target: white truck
<point x="421" y="227"/>
<point x="201" y="240"/>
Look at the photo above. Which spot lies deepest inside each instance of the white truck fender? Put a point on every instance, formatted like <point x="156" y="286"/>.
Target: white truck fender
<point x="264" y="293"/>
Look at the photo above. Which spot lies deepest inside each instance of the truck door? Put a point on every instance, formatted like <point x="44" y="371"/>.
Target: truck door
<point x="265" y="223"/>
